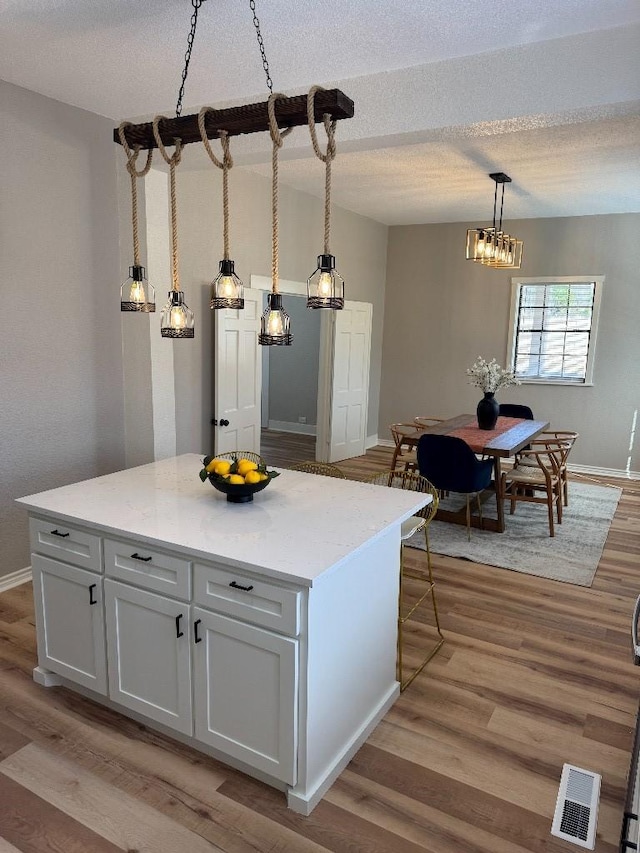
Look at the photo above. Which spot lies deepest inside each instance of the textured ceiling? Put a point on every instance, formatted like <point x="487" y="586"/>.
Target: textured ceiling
<point x="445" y="91"/>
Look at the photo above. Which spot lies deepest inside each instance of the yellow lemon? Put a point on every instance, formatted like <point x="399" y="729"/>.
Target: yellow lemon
<point x="222" y="467"/>
<point x="246" y="465"/>
<point x="211" y="467"/>
<point x="252" y="477"/>
<point x="236" y="479"/>
<point x="264" y="477"/>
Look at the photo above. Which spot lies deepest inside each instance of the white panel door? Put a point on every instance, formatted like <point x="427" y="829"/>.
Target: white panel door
<point x="238" y="376"/>
<point x="70" y="622"/>
<point x="149" y="654"/>
<point x="345" y="434"/>
<point x="246" y="693"/>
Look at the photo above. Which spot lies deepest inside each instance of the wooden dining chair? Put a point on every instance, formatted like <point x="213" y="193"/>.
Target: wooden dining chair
<point x="424" y="422"/>
<point x="404" y="454"/>
<point x="567" y="438"/>
<point x="538" y="470"/>
<point x="325" y="469"/>
<point x="408" y="599"/>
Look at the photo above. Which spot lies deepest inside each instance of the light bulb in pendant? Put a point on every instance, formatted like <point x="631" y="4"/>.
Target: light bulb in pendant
<point x="227" y="288"/>
<point x="274" y="323"/>
<point x="136" y="294"/>
<point x="325" y="286"/>
<point x="177" y="319"/>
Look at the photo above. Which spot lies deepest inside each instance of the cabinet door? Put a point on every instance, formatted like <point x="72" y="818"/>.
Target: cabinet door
<point x="149" y="655"/>
<point x="70" y="622"/>
<point x="246" y="693"/>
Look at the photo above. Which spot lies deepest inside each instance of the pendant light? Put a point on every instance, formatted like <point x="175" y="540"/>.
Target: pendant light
<point x="227" y="288"/>
<point x="493" y="247"/>
<point x="325" y="286"/>
<point x="177" y="319"/>
<point x="328" y="105"/>
<point x="275" y="322"/>
<point x="136" y="294"/>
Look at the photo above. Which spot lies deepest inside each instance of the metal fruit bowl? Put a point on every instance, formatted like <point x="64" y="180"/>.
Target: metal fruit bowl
<point x="238" y="493"/>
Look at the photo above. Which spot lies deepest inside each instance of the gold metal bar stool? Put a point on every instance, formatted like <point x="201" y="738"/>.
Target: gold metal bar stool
<point x="407" y="606"/>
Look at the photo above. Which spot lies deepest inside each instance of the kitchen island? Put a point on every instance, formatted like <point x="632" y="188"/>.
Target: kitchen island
<point x="263" y="634"/>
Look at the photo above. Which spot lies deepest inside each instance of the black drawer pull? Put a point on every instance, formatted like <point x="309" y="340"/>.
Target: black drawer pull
<point x="179" y="633"/>
<point x="92" y="600"/>
<point x="137" y="556"/>
<point x="243" y="588"/>
<point x="57" y="533"/>
<point x="197" y="638"/>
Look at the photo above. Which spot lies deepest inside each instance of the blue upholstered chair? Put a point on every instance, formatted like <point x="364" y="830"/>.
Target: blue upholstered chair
<point x="515" y="410"/>
<point x="451" y="465"/>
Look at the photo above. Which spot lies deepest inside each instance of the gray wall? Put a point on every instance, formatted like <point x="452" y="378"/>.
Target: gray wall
<point x="60" y="350"/>
<point x="442" y="311"/>
<point x="293" y="371"/>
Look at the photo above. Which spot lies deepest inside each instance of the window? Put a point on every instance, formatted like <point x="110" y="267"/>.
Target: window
<point x="553" y="328"/>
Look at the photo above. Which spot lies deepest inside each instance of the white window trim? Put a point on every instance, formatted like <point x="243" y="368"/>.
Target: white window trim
<point x="513" y="317"/>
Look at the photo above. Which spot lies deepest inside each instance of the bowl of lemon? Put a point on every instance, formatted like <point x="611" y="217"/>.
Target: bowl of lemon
<point x="236" y="475"/>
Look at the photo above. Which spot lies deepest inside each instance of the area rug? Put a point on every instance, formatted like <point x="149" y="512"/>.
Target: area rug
<point x="571" y="556"/>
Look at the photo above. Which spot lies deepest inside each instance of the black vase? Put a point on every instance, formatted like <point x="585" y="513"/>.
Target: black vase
<point x="487" y="411"/>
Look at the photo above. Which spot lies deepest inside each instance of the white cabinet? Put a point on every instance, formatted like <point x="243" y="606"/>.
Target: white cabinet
<point x="70" y="622"/>
<point x="149" y="654"/>
<point x="245" y="681"/>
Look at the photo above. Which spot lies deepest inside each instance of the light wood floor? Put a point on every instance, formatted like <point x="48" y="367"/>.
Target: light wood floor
<point x="533" y="673"/>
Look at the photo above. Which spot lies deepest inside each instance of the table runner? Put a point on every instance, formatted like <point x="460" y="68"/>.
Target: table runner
<point x="477" y="438"/>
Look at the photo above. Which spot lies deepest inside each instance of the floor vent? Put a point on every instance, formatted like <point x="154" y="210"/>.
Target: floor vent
<point x="576" y="813"/>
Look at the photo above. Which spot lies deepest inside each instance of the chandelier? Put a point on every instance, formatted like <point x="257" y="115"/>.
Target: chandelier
<point x="278" y="115"/>
<point x="493" y="247"/>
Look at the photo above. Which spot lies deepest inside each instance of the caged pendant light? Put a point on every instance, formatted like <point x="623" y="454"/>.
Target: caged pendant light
<point x="136" y="294"/>
<point x="325" y="286"/>
<point x="493" y="247"/>
<point x="177" y="319"/>
<point x="227" y="288"/>
<point x="275" y="322"/>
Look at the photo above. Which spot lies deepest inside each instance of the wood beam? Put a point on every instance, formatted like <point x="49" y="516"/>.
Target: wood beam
<point x="249" y="118"/>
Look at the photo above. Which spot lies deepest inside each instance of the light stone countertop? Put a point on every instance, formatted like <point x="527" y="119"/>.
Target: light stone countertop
<point x="299" y="527"/>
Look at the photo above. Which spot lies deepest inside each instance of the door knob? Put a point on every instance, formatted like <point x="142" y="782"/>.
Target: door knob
<point x="221" y="422"/>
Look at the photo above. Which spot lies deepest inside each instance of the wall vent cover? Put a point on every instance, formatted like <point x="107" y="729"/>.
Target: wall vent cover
<point x="576" y="813"/>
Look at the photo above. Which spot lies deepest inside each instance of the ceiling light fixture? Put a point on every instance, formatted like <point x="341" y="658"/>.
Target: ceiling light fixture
<point x="325" y="286"/>
<point x="275" y="322"/>
<point x="278" y="115"/>
<point x="492" y="246"/>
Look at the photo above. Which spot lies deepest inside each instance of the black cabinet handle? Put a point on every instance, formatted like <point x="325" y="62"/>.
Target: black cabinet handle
<point x="179" y="633"/>
<point x="57" y="533"/>
<point x="197" y="638"/>
<point x="92" y="600"/>
<point x="137" y="556"/>
<point x="243" y="588"/>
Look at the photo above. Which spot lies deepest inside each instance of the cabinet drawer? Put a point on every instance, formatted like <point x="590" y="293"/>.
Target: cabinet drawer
<point x="246" y="598"/>
<point x="66" y="543"/>
<point x="147" y="568"/>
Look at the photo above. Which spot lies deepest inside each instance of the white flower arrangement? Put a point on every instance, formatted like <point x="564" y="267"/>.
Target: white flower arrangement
<point x="489" y="376"/>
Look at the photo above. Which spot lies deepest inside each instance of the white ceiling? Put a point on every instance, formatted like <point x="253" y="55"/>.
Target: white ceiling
<point x="446" y="91"/>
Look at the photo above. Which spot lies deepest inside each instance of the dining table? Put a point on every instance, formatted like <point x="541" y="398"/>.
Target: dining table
<point x="509" y="436"/>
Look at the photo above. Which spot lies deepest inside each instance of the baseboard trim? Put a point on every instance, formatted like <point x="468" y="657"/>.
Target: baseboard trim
<point x="288" y="426"/>
<point x="371" y="441"/>
<point x="15" y="579"/>
<point x="577" y="469"/>
<point x="604" y="472"/>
